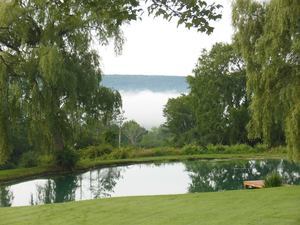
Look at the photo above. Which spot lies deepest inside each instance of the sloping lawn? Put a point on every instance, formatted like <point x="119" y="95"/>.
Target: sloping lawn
<point x="272" y="206"/>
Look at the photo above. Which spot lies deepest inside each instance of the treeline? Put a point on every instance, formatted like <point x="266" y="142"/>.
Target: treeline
<point x="247" y="91"/>
<point x="52" y="103"/>
<point x="51" y="100"/>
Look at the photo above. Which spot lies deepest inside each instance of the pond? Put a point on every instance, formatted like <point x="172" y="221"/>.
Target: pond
<point x="145" y="179"/>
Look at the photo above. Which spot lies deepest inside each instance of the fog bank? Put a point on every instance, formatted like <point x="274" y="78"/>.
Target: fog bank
<point x="146" y="107"/>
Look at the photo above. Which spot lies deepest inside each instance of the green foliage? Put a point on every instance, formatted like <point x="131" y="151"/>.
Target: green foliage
<point x="273" y="179"/>
<point x="193" y="150"/>
<point x="268" y="38"/>
<point x="196" y="14"/>
<point x="220" y="149"/>
<point x="29" y="159"/>
<point x="66" y="159"/>
<point x="156" y="137"/>
<point x="131" y="153"/>
<point x="158" y="151"/>
<point x="50" y="72"/>
<point x="219" y="99"/>
<point x="216" y="109"/>
<point x="93" y="152"/>
<point x="231" y="149"/>
<point x="133" y="132"/>
<point x="180" y="119"/>
<point x="121" y="153"/>
<point x="45" y="160"/>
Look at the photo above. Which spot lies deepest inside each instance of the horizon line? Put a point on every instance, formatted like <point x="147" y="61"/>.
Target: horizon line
<point x="165" y="75"/>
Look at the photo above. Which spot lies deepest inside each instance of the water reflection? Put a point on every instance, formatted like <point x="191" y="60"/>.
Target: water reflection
<point x="94" y="184"/>
<point x="146" y="179"/>
<point x="60" y="189"/>
<point x="6" y="197"/>
<point x="229" y="175"/>
<point x="102" y="182"/>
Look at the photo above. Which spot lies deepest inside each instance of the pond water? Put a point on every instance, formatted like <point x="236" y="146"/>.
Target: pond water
<point x="145" y="179"/>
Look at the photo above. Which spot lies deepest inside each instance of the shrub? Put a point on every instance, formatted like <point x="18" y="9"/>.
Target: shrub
<point x="7" y="166"/>
<point x="239" y="148"/>
<point x="273" y="179"/>
<point x="278" y="149"/>
<point x="230" y="149"/>
<point x="29" y="159"/>
<point x="191" y="150"/>
<point x="121" y="153"/>
<point x="67" y="158"/>
<point x="166" y="151"/>
<point x="45" y="160"/>
<point x="261" y="147"/>
<point x="215" y="148"/>
<point x="93" y="152"/>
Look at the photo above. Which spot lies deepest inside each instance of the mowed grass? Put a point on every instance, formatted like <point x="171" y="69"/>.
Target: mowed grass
<point x="274" y="206"/>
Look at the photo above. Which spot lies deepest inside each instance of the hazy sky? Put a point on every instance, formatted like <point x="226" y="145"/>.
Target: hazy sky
<point x="157" y="47"/>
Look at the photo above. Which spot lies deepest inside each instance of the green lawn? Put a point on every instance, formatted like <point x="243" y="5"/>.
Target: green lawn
<point x="23" y="173"/>
<point x="274" y="206"/>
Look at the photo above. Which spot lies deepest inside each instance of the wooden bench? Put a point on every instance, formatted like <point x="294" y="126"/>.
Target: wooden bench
<point x="254" y="183"/>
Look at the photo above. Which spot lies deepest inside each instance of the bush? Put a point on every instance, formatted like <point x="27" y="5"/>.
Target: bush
<point x="45" y="160"/>
<point x="261" y="147"/>
<point x="7" y="166"/>
<point x="192" y="150"/>
<point x="159" y="151"/>
<point x="278" y="149"/>
<point x="67" y="158"/>
<point x="273" y="179"/>
<point x="230" y="149"/>
<point x="93" y="152"/>
<point x="215" y="148"/>
<point x="239" y="148"/>
<point x="121" y="153"/>
<point x="29" y="159"/>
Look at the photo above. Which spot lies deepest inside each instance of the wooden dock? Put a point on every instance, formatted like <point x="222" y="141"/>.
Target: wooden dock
<point x="254" y="184"/>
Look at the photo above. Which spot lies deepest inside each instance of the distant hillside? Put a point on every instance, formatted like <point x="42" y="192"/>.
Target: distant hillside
<point x="153" y="83"/>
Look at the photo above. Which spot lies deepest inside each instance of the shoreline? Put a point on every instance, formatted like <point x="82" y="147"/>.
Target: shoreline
<point x="23" y="174"/>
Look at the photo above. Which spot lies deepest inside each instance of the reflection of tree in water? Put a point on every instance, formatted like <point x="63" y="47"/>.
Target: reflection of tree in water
<point x="58" y="189"/>
<point x="103" y="181"/>
<point x="229" y="175"/>
<point x="6" y="197"/>
<point x="62" y="189"/>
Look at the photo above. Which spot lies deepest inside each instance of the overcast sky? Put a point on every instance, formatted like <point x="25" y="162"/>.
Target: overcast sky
<point x="156" y="47"/>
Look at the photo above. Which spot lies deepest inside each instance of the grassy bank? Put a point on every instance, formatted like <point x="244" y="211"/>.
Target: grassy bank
<point x="278" y="206"/>
<point x="24" y="173"/>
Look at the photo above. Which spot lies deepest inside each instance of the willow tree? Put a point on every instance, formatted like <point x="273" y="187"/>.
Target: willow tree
<point x="268" y="35"/>
<point x="49" y="72"/>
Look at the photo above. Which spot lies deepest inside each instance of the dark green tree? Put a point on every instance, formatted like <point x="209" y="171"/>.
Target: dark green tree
<point x="215" y="111"/>
<point x="181" y="121"/>
<point x="218" y="92"/>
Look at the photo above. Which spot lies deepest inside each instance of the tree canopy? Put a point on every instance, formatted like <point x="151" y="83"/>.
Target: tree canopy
<point x="215" y="111"/>
<point x="49" y="72"/>
<point x="269" y="39"/>
<point x="133" y="132"/>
